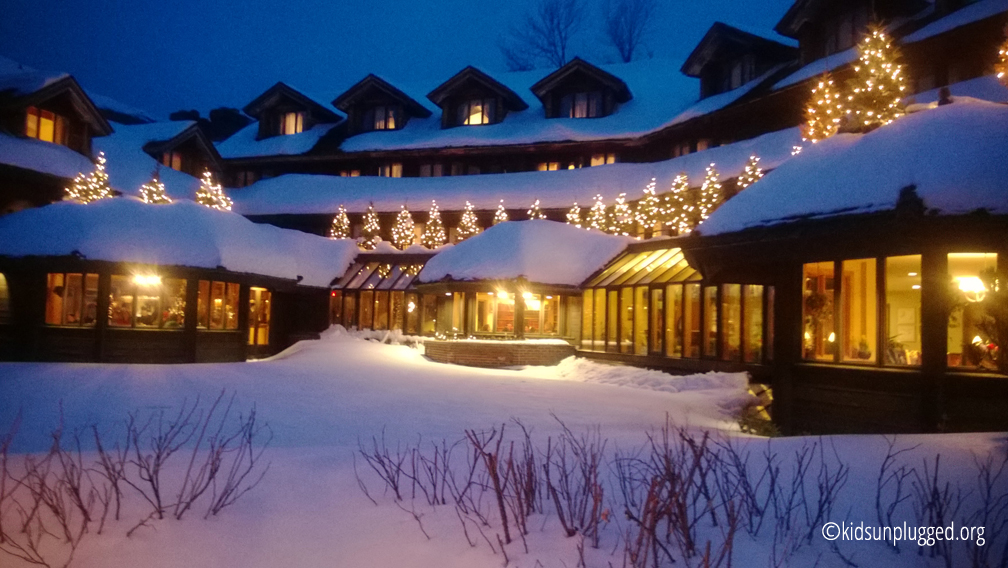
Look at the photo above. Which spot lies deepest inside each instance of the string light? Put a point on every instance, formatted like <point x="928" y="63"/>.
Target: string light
<point x="469" y="225"/>
<point x="1001" y="67"/>
<point x="535" y="212"/>
<point x="824" y="111"/>
<point x="649" y="209"/>
<point x="620" y="218"/>
<point x="211" y="194"/>
<point x="403" y="232"/>
<point x="751" y="174"/>
<point x="501" y="215"/>
<point x="434" y="232"/>
<point x="597" y="215"/>
<point x="154" y="191"/>
<point x="93" y="186"/>
<point x="574" y="216"/>
<point x="340" y="225"/>
<point x="710" y="193"/>
<point x="678" y="211"/>
<point x="371" y="232"/>
<point x="876" y="91"/>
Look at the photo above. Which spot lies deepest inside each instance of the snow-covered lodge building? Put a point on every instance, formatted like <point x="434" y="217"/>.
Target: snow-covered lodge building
<point x="854" y="278"/>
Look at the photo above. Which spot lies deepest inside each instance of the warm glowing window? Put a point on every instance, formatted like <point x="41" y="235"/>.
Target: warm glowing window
<point x="691" y="317"/>
<point x="486" y="312"/>
<point x="612" y="319"/>
<point x="657" y="326"/>
<point x="549" y="166"/>
<point x="640" y="315"/>
<point x="4" y="300"/>
<point x="752" y="337"/>
<point x="902" y="310"/>
<point x="349" y="311"/>
<point x="381" y="118"/>
<point x="626" y="320"/>
<point x="710" y="321"/>
<point x="411" y="304"/>
<point x="381" y="311"/>
<point x="291" y="123"/>
<point x="397" y="299"/>
<point x="259" y="316"/>
<point x="349" y="173"/>
<point x="217" y="305"/>
<point x="45" y="125"/>
<point x="731" y="322"/>
<point x="477" y="111"/>
<point x="71" y="299"/>
<point x="581" y="105"/>
<point x="172" y="159"/>
<point x="147" y="301"/>
<point x="674" y="321"/>
<point x="819" y="337"/>
<point x="603" y="159"/>
<point x="336" y="307"/>
<point x="390" y="170"/>
<point x="859" y="311"/>
<point x="972" y="327"/>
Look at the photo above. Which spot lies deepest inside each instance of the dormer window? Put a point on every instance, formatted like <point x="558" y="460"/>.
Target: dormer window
<point x="172" y="160"/>
<point x="46" y="126"/>
<point x="477" y="111"/>
<point x="382" y="118"/>
<point x="291" y="123"/>
<point x="582" y="105"/>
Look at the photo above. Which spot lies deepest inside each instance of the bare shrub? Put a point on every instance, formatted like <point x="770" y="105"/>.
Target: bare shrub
<point x="572" y="478"/>
<point x="163" y="438"/>
<point x="240" y="466"/>
<point x="388" y="465"/>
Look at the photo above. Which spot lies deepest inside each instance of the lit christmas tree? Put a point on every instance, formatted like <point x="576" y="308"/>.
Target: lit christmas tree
<point x="620" y="218"/>
<point x="212" y="194"/>
<point x="535" y="212"/>
<point x="402" y="232"/>
<point x="371" y="232"/>
<point x="824" y="111"/>
<point x="751" y="174"/>
<point x="434" y="232"/>
<point x="469" y="225"/>
<point x="649" y="210"/>
<point x="93" y="186"/>
<point x="677" y="211"/>
<point x="597" y="215"/>
<point x="154" y="191"/>
<point x="710" y="193"/>
<point x="501" y="215"/>
<point x="1001" y="67"/>
<point x="574" y="216"/>
<point x="878" y="84"/>
<point x="340" y="225"/>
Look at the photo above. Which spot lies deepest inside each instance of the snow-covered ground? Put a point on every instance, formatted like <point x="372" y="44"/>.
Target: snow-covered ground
<point x="321" y="397"/>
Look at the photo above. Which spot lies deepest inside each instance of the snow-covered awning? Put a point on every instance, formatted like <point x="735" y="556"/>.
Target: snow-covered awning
<point x="179" y="234"/>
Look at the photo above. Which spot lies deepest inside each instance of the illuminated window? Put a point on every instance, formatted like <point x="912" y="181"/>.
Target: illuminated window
<point x="291" y="123"/>
<point x="752" y="338"/>
<point x="336" y="307"/>
<point x="731" y="322"/>
<point x="45" y="125"/>
<point x="381" y="118"/>
<point x="691" y="316"/>
<point x="390" y="170"/>
<point x="533" y="307"/>
<point x="581" y="105"/>
<point x="366" y="320"/>
<point x="349" y="311"/>
<point x="819" y="337"/>
<point x="902" y="316"/>
<point x="173" y="160"/>
<point x="674" y="321"/>
<point x="549" y="166"/>
<point x="657" y="326"/>
<point x="640" y="320"/>
<point x="428" y="315"/>
<point x="858" y="308"/>
<point x="603" y="159"/>
<point x="396" y="318"/>
<point x="71" y="299"/>
<point x="710" y="321"/>
<point x="412" y="307"/>
<point x="972" y="327"/>
<point x="217" y="305"/>
<point x="381" y="311"/>
<point x="477" y="111"/>
<point x="5" y="314"/>
<point x="626" y="320"/>
<point x="612" y="319"/>
<point x="145" y="301"/>
<point x="349" y="173"/>
<point x="598" y="325"/>
<point x="486" y="312"/>
<point x="259" y="316"/>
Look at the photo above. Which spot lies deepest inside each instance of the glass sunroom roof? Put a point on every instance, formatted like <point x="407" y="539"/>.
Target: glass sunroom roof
<point x="379" y="276"/>
<point x="642" y="268"/>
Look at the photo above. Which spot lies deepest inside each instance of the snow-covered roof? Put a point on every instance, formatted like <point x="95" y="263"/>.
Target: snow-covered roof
<point x="18" y="80"/>
<point x="987" y="88"/>
<point x="769" y="35"/>
<point x="967" y="15"/>
<point x="129" y="167"/>
<point x="304" y="193"/>
<point x="243" y="144"/>
<point x="43" y="157"/>
<point x="110" y="104"/>
<point x="542" y="252"/>
<point x="178" y="234"/>
<point x="955" y="156"/>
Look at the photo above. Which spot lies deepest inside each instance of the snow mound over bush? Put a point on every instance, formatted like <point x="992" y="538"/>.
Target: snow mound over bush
<point x="580" y="369"/>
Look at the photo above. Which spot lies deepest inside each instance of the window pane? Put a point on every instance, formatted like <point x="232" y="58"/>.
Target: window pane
<point x="674" y="321"/>
<point x="46" y="126"/>
<point x="231" y="310"/>
<point x="505" y="313"/>
<point x="121" y="302"/>
<point x="972" y="328"/>
<point x="599" y="321"/>
<point x="336" y="307"/>
<point x="381" y="314"/>
<point x="349" y="311"/>
<point x="412" y="314"/>
<point x="396" y="321"/>
<point x="72" y="299"/>
<point x="819" y="337"/>
<point x="148" y="302"/>
<point x="567" y="106"/>
<point x="587" y="304"/>
<point x="486" y="310"/>
<point x="753" y="337"/>
<point x="710" y="321"/>
<point x="657" y="323"/>
<point x="858" y="306"/>
<point x="428" y="319"/>
<point x="691" y="317"/>
<point x="551" y="315"/>
<point x="217" y="305"/>
<point x="489" y="111"/>
<point x="594" y="104"/>
<point x="640" y="320"/>
<point x="731" y="322"/>
<point x="626" y="320"/>
<point x="581" y="105"/>
<point x="612" y="341"/>
<point x="90" y="314"/>
<point x="770" y="323"/>
<point x="5" y="315"/>
<point x="259" y="315"/>
<point x="475" y="112"/>
<point x="902" y="312"/>
<point x="31" y="122"/>
<point x="533" y="306"/>
<point x="379" y="118"/>
<point x="54" y="300"/>
<point x="174" y="303"/>
<point x="366" y="309"/>
<point x="203" y="305"/>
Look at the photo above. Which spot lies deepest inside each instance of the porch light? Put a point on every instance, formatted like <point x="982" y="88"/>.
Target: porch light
<point x="973" y="288"/>
<point x="147" y="280"/>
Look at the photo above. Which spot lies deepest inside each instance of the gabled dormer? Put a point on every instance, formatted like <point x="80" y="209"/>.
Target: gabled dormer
<point x="728" y="57"/>
<point x="825" y="27"/>
<point x="185" y="148"/>
<point x="375" y="104"/>
<point x="50" y="109"/>
<point x="580" y="90"/>
<point x="473" y="98"/>
<point x="282" y="110"/>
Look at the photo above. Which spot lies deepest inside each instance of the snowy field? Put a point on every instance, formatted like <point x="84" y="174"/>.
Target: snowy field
<point x="322" y="398"/>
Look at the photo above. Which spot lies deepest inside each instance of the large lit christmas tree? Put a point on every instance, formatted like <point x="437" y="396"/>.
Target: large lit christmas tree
<point x="710" y="193"/>
<point x="403" y="230"/>
<point x="678" y="212"/>
<point x="469" y="225"/>
<point x="597" y="216"/>
<point x="93" y="186"/>
<point x="211" y="194"/>
<point x="751" y="174"/>
<point x="878" y="85"/>
<point x="574" y="216"/>
<point x="535" y="212"/>
<point x="371" y="231"/>
<point x="824" y="111"/>
<point x="649" y="210"/>
<point x="620" y="219"/>
<point x="434" y="232"/>
<point x="340" y="225"/>
<point x="501" y="215"/>
<point x="154" y="191"/>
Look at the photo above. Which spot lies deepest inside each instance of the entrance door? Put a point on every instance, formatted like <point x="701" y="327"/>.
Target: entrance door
<point x="259" y="316"/>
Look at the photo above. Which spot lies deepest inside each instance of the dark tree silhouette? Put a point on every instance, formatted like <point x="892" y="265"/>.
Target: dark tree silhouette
<point x="627" y="23"/>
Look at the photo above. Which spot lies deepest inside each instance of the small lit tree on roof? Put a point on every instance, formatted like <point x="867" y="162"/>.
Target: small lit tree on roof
<point x="93" y="186"/>
<point x="649" y="210"/>
<point x="371" y="232"/>
<point x="1001" y="67"/>
<point x="677" y="210"/>
<point x="824" y="111"/>
<point x="434" y="232"/>
<point x="751" y="174"/>
<point x="878" y="85"/>
<point x="340" y="225"/>
<point x="469" y="225"/>
<point x="710" y="193"/>
<point x="154" y="191"/>
<point x="500" y="215"/>
<point x="403" y="231"/>
<point x="597" y="215"/>
<point x="620" y="219"/>
<point x="211" y="194"/>
<point x="535" y="212"/>
<point x="574" y="216"/>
